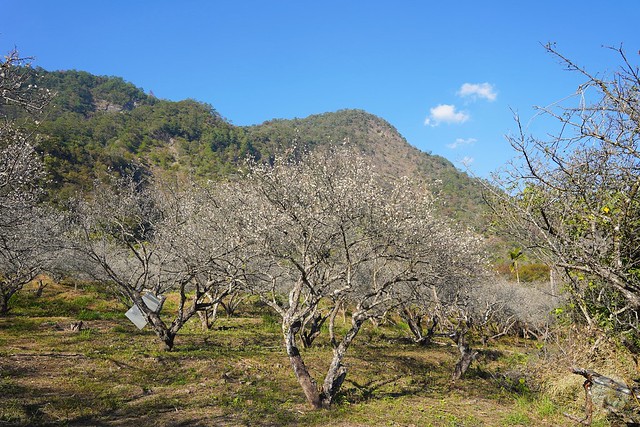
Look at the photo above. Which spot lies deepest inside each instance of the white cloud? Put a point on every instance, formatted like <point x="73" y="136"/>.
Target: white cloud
<point x="445" y="113"/>
<point x="459" y="142"/>
<point x="478" y="90"/>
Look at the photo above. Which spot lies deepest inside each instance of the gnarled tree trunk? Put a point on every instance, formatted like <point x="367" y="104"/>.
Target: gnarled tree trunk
<point x="4" y="303"/>
<point x="415" y="325"/>
<point x="7" y="290"/>
<point x="467" y="354"/>
<point x="309" y="386"/>
<point x="337" y="371"/>
<point x="166" y="335"/>
<point x="208" y="316"/>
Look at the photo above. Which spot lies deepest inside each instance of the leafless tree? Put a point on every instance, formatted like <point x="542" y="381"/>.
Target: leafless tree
<point x="17" y="86"/>
<point x="28" y="248"/>
<point x="485" y="304"/>
<point x="448" y="307"/>
<point x="203" y="236"/>
<point x="573" y="197"/>
<point x="27" y="230"/>
<point x="504" y="308"/>
<point x="329" y="229"/>
<point x="150" y="237"/>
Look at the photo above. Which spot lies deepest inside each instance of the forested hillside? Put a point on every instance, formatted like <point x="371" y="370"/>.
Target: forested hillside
<point x="97" y="123"/>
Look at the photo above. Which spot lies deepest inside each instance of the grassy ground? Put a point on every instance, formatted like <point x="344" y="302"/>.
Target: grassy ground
<point x="111" y="374"/>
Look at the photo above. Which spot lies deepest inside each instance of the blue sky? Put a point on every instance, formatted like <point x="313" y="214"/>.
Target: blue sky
<point x="447" y="75"/>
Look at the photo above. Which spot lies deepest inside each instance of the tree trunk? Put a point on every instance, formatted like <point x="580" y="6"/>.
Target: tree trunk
<point x="337" y="371"/>
<point x="166" y="335"/>
<point x="230" y="307"/>
<point x="41" y="286"/>
<point x="208" y="316"/>
<point x="76" y="326"/>
<point x="309" y="386"/>
<point x="204" y="319"/>
<point x="5" y="296"/>
<point x="413" y="322"/>
<point x="415" y="326"/>
<point x="333" y="380"/>
<point x="426" y="340"/>
<point x="467" y="355"/>
<point x="167" y="339"/>
<point x="332" y="323"/>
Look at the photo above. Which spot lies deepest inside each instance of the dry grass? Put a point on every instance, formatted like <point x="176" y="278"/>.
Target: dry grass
<point x="590" y="349"/>
<point x="111" y="374"/>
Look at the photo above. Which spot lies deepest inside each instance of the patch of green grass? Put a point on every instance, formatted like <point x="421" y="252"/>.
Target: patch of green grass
<point x="520" y="415"/>
<point x="448" y="420"/>
<point x="14" y="325"/>
<point x="13" y="412"/>
<point x="259" y="402"/>
<point x="271" y="322"/>
<point x="545" y="407"/>
<point x="97" y="314"/>
<point x="400" y="329"/>
<point x="89" y="315"/>
<point x="442" y="416"/>
<point x="60" y="303"/>
<point x="23" y="301"/>
<point x="28" y="303"/>
<point x="86" y="335"/>
<point x="121" y="329"/>
<point x="8" y="387"/>
<point x="516" y="418"/>
<point x="516" y="358"/>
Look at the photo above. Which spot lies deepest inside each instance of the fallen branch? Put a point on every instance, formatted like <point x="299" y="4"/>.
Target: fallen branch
<point x="591" y="378"/>
<point x="588" y="406"/>
<point x="596" y="378"/>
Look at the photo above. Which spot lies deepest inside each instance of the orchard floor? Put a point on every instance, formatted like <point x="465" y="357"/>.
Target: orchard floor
<point x="111" y="374"/>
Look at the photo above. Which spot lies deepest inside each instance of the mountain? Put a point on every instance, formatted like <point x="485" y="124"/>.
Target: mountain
<point x="388" y="149"/>
<point x="96" y="124"/>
